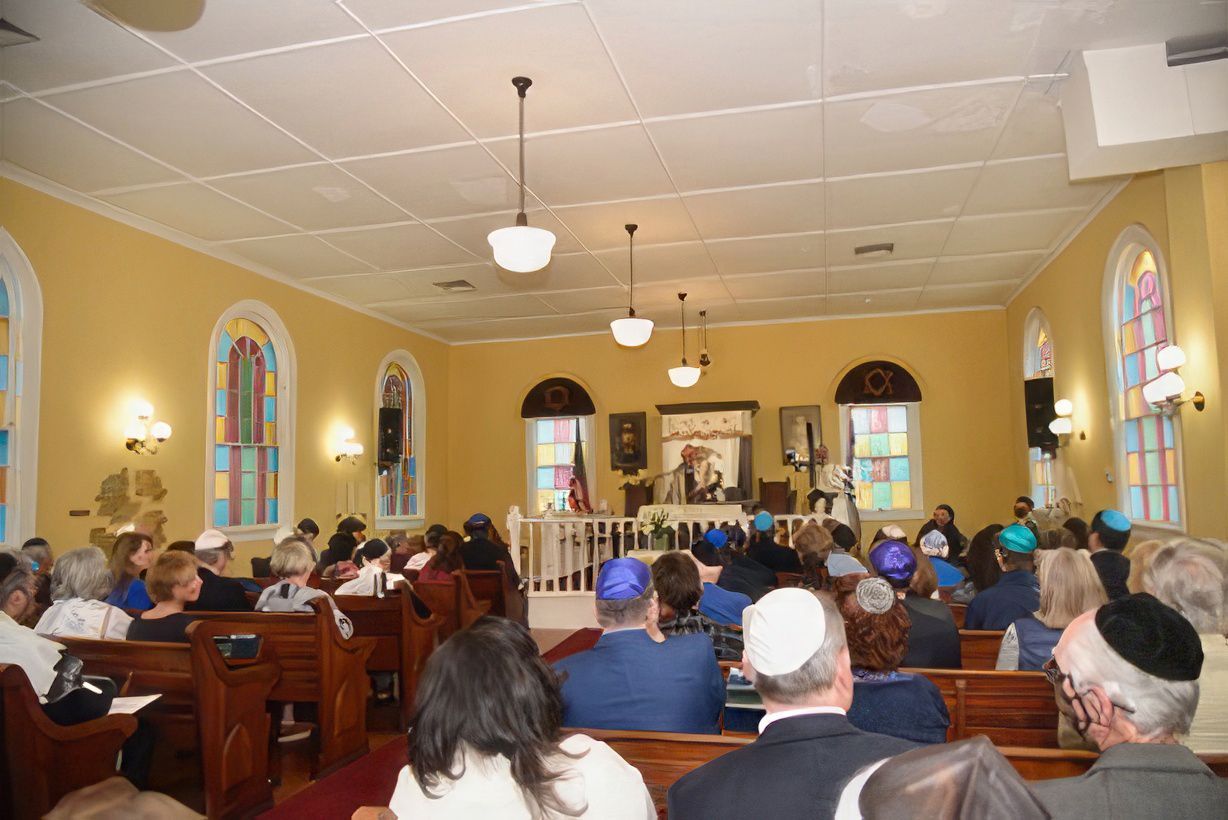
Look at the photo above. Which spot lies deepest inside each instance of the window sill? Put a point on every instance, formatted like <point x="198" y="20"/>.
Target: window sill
<point x="258" y="532"/>
<point x="892" y="515"/>
<point x="400" y="522"/>
<point x="1146" y="530"/>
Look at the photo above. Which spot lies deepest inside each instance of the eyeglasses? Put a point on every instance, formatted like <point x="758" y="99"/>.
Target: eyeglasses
<point x="1057" y="675"/>
<point x="1053" y="672"/>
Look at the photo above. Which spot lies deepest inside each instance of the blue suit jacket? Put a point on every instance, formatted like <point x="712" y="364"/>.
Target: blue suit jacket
<point x="1015" y="596"/>
<point x="629" y="681"/>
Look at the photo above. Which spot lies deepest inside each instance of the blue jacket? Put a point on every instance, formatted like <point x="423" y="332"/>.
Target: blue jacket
<point x="131" y="595"/>
<point x="629" y="681"/>
<point x="1015" y="596"/>
<point x="722" y="605"/>
<point x="901" y="705"/>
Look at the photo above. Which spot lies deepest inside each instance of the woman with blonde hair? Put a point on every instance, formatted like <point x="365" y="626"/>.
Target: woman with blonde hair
<point x="1069" y="586"/>
<point x="131" y="554"/>
<point x="173" y="583"/>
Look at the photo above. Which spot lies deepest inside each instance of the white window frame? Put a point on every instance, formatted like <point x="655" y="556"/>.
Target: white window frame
<point x="417" y="388"/>
<point x="25" y="367"/>
<point x="916" y="491"/>
<point x="287" y="369"/>
<point x="588" y="425"/>
<point x="1130" y="242"/>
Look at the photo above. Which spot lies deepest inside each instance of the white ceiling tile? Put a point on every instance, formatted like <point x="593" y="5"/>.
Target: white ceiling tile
<point x="876" y="200"/>
<point x="7" y="92"/>
<point x="471" y="232"/>
<point x="239" y="26"/>
<point x="446" y="182"/>
<point x="363" y="289"/>
<point x="534" y="328"/>
<point x="763" y="254"/>
<point x="655" y="263"/>
<point x="484" y="277"/>
<point x="1010" y="232"/>
<point x="916" y="240"/>
<point x="763" y="210"/>
<point x="399" y="247"/>
<point x="472" y="308"/>
<point x="49" y="144"/>
<point x="777" y="285"/>
<point x="587" y="300"/>
<point x="380" y="14"/>
<point x="604" y="225"/>
<point x="181" y="119"/>
<point x="663" y="296"/>
<point x="196" y="210"/>
<point x="298" y="256"/>
<point x="766" y="310"/>
<point x="470" y="63"/>
<point x="866" y="278"/>
<point x="747" y="148"/>
<point x="919" y="129"/>
<point x="1030" y="184"/>
<point x="565" y="271"/>
<point x="852" y="304"/>
<point x="345" y="99"/>
<point x="1035" y="124"/>
<point x="313" y="197"/>
<point x="588" y="166"/>
<point x="736" y="54"/>
<point x="75" y="46"/>
<point x="877" y="44"/>
<point x="938" y="298"/>
<point x="959" y="270"/>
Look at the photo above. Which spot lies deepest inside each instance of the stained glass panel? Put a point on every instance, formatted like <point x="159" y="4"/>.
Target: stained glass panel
<point x="881" y="465"/>
<point x="398" y="482"/>
<point x="554" y="453"/>
<point x="245" y="461"/>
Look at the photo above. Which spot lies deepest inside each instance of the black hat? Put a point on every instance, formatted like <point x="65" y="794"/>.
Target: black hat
<point x="1151" y="636"/>
<point x="436" y="529"/>
<point x="373" y="549"/>
<point x="844" y="537"/>
<point x="307" y="525"/>
<point x="351" y="524"/>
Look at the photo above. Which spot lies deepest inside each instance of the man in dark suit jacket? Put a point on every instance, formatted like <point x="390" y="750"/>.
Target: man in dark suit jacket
<point x="480" y="553"/>
<point x="807" y="750"/>
<point x="217" y="593"/>
<point x="634" y="678"/>
<point x="1108" y="536"/>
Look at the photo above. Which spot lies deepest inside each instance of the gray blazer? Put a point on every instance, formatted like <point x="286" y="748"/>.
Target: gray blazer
<point x="1138" y="781"/>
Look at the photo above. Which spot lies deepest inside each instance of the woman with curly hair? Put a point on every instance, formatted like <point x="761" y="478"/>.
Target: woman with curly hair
<point x="886" y="700"/>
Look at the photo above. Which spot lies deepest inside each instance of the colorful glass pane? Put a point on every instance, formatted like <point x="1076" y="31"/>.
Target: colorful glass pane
<point x="246" y="426"/>
<point x="880" y="462"/>
<point x="398" y="482"/>
<point x="554" y="460"/>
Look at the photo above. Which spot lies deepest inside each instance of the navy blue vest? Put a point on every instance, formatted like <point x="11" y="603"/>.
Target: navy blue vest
<point x="1036" y="642"/>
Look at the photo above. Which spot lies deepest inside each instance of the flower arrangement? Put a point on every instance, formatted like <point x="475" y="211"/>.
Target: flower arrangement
<point x="657" y="525"/>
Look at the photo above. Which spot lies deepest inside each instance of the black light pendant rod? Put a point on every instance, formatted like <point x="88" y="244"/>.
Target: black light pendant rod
<point x="631" y="262"/>
<point x="522" y="86"/>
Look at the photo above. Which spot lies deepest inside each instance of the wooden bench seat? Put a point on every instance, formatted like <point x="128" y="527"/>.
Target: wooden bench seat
<point x="453" y="602"/>
<point x="978" y="648"/>
<point x="1010" y="708"/>
<point x="223" y="708"/>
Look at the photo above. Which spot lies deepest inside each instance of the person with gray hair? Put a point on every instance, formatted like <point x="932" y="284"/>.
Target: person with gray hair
<point x="1127" y="674"/>
<point x="798" y="660"/>
<point x="1189" y="575"/>
<point x="79" y="582"/>
<point x="218" y="593"/>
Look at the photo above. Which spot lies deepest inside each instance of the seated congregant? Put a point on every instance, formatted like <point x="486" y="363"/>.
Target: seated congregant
<point x="337" y="560"/>
<point x="475" y="755"/>
<point x="445" y="559"/>
<point x="482" y="552"/>
<point x="1069" y="587"/>
<point x="798" y="660"/>
<point x="79" y="582"/>
<point x="737" y="572"/>
<point x="1017" y="593"/>
<point x="981" y="561"/>
<point x="933" y="638"/>
<point x="374" y="559"/>
<point x="675" y="576"/>
<point x="721" y="605"/>
<point x="1128" y="674"/>
<point x="38" y="550"/>
<point x="1110" y="533"/>
<point x="633" y="679"/>
<point x="935" y="547"/>
<point x="764" y="549"/>
<point x="217" y="592"/>
<point x="886" y="700"/>
<point x="293" y="562"/>
<point x="131" y="554"/>
<point x="943" y="521"/>
<point x="173" y="583"/>
<point x="430" y="543"/>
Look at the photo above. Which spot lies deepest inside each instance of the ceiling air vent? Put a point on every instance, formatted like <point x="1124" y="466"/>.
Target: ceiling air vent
<point x="877" y="249"/>
<point x="455" y="286"/>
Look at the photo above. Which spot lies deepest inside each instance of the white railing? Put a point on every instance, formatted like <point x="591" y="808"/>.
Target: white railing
<point x="561" y="553"/>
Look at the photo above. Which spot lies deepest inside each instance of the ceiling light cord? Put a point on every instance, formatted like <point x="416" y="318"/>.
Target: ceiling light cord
<point x="522" y="86"/>
<point x="682" y="311"/>
<point x="631" y="263"/>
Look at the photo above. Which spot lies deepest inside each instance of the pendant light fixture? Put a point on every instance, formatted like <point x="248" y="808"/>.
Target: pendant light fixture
<point x="684" y="375"/>
<point x="631" y="330"/>
<point x="704" y="358"/>
<point x="521" y="249"/>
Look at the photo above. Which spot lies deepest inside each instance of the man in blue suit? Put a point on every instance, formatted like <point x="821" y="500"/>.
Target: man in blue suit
<point x="634" y="678"/>
<point x="1017" y="593"/>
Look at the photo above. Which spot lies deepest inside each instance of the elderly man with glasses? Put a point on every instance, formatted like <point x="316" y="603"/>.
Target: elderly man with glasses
<point x="1127" y="674"/>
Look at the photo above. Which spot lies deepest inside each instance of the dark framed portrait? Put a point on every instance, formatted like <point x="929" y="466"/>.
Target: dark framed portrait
<point x="793" y="444"/>
<point x="629" y="442"/>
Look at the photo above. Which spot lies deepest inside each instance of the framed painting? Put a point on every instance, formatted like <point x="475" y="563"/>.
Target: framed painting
<point x="629" y="442"/>
<point x="794" y="446"/>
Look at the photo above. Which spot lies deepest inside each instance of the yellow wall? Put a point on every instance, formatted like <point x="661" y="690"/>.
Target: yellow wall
<point x="957" y="359"/>
<point x="128" y="314"/>
<point x="1185" y="210"/>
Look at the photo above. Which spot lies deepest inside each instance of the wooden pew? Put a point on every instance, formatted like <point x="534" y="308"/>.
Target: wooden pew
<point x="788" y="579"/>
<point x="403" y="639"/>
<point x="453" y="602"/>
<point x="978" y="648"/>
<point x="320" y="667"/>
<point x="959" y="612"/>
<point x="495" y="586"/>
<point x="42" y="761"/>
<point x="224" y="707"/>
<point x="1010" y="708"/>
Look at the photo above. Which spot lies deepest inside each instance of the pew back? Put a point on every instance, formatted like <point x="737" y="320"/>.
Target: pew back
<point x="979" y="648"/>
<point x="1010" y="708"/>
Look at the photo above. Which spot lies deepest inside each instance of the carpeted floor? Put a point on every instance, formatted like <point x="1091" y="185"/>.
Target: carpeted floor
<point x="577" y="641"/>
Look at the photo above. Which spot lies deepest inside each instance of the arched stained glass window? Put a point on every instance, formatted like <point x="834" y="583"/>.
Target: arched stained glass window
<point x="398" y="482"/>
<point x="8" y="421"/>
<point x="246" y="437"/>
<point x="1147" y="440"/>
<point x="21" y="328"/>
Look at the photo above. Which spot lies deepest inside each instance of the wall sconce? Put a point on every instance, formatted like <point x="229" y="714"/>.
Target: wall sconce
<point x="1062" y="425"/>
<point x="348" y="449"/>
<point x="143" y="437"/>
<point x="1165" y="391"/>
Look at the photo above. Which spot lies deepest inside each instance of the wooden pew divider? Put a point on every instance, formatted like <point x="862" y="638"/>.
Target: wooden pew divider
<point x="453" y="602"/>
<point x="1010" y="708"/>
<point x="979" y="648"/>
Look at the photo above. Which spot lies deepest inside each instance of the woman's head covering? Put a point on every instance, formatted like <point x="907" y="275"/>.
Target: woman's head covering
<point x="371" y="550"/>
<point x="955" y="539"/>
<point x="934" y="544"/>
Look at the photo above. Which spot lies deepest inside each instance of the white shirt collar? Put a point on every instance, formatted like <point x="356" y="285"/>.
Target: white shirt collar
<point x="772" y="717"/>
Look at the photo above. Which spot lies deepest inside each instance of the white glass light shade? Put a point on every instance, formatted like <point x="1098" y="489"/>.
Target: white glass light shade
<point x="1061" y="426"/>
<point x="1168" y="386"/>
<point x="684" y="375"/>
<point x="1063" y="407"/>
<point x="351" y="448"/>
<point x="135" y="430"/>
<point x="142" y="409"/>
<point x="1170" y="358"/>
<point x="521" y="249"/>
<point x="631" y="331"/>
<point x="160" y="430"/>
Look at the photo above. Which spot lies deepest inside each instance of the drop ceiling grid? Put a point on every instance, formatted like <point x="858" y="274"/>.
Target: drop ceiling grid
<point x="679" y="193"/>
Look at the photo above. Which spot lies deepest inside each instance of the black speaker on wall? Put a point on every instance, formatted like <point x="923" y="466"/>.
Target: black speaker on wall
<point x="1038" y="407"/>
<point x="391" y="436"/>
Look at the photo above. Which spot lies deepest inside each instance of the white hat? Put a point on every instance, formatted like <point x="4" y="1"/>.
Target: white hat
<point x="895" y="531"/>
<point x="783" y="630"/>
<point x="934" y="544"/>
<point x="211" y="540"/>
<point x="283" y="533"/>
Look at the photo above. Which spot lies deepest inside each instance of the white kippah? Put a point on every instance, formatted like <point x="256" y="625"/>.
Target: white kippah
<point x="211" y="540"/>
<point x="283" y="533"/>
<point x="934" y="543"/>
<point x="895" y="531"/>
<point x="783" y="630"/>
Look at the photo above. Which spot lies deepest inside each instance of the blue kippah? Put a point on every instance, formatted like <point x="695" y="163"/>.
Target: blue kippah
<point x="894" y="561"/>
<point x="478" y="520"/>
<point x="623" y="578"/>
<point x="1115" y="520"/>
<point x="1017" y="538"/>
<point x="764" y="522"/>
<point x="716" y="538"/>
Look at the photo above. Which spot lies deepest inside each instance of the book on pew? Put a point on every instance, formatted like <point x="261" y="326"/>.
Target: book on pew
<point x="130" y="706"/>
